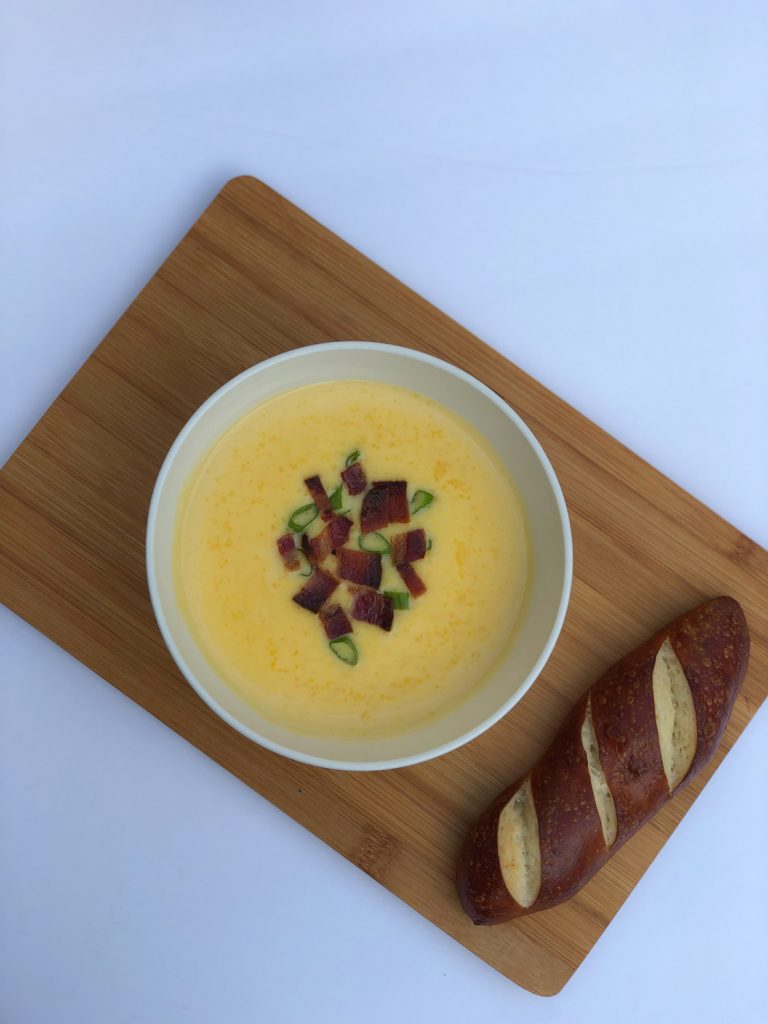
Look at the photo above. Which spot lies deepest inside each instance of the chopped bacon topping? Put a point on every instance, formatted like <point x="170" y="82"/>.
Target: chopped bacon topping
<point x="321" y="546"/>
<point x="332" y="537"/>
<point x="319" y="496"/>
<point x="339" y="528"/>
<point x="408" y="547"/>
<point x="398" y="502"/>
<point x="335" y="621"/>
<point x="386" y="502"/>
<point x="354" y="477"/>
<point x="411" y="578"/>
<point x="374" y="515"/>
<point x="287" y="548"/>
<point x="363" y="567"/>
<point x="370" y="606"/>
<point x="316" y="590"/>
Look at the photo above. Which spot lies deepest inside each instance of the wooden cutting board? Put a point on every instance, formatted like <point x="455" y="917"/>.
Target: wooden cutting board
<point x="256" y="276"/>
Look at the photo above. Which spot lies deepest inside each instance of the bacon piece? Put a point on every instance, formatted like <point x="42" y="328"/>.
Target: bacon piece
<point x="370" y="606"/>
<point x="339" y="528"/>
<point x="374" y="515"/>
<point x="354" y="477"/>
<point x="408" y="547"/>
<point x="411" y="578"/>
<point x="306" y="547"/>
<point x="316" y="590"/>
<point x="321" y="545"/>
<point x="319" y="496"/>
<point x="386" y="502"/>
<point x="363" y="567"/>
<point x="333" y="536"/>
<point x="398" y="502"/>
<point x="287" y="548"/>
<point x="335" y="621"/>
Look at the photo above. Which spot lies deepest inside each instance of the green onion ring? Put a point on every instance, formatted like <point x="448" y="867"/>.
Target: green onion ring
<point x="345" y="650"/>
<point x="300" y="518"/>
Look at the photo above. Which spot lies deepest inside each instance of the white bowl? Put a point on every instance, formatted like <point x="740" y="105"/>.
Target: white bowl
<point x="518" y="449"/>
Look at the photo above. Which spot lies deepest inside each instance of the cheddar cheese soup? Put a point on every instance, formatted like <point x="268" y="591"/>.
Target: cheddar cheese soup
<point x="352" y="559"/>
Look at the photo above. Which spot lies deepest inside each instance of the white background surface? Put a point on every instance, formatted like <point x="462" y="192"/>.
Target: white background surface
<point x="583" y="185"/>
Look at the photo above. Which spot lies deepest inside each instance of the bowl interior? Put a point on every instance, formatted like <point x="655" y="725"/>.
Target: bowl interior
<point x="549" y="539"/>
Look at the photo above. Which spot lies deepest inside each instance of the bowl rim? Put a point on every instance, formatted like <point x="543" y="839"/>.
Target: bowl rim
<point x="333" y="763"/>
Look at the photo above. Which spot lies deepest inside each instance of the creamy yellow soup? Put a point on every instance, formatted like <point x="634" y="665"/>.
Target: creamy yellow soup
<point x="237" y="595"/>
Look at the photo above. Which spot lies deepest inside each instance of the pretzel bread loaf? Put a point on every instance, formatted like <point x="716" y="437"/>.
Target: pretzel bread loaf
<point x="645" y="729"/>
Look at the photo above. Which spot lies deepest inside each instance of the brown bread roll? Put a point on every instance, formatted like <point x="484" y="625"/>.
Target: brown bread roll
<point x="645" y="729"/>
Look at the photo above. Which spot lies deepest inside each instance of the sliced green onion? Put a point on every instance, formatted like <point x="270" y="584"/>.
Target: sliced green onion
<point x="306" y="568"/>
<point x="352" y="458"/>
<point x="401" y="599"/>
<point x="376" y="543"/>
<point x="429" y="543"/>
<point x="420" y="500"/>
<point x="336" y="499"/>
<point x="302" y="517"/>
<point x="345" y="650"/>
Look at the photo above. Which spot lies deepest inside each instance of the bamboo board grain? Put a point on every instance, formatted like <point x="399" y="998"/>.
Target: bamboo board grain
<point x="256" y="276"/>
